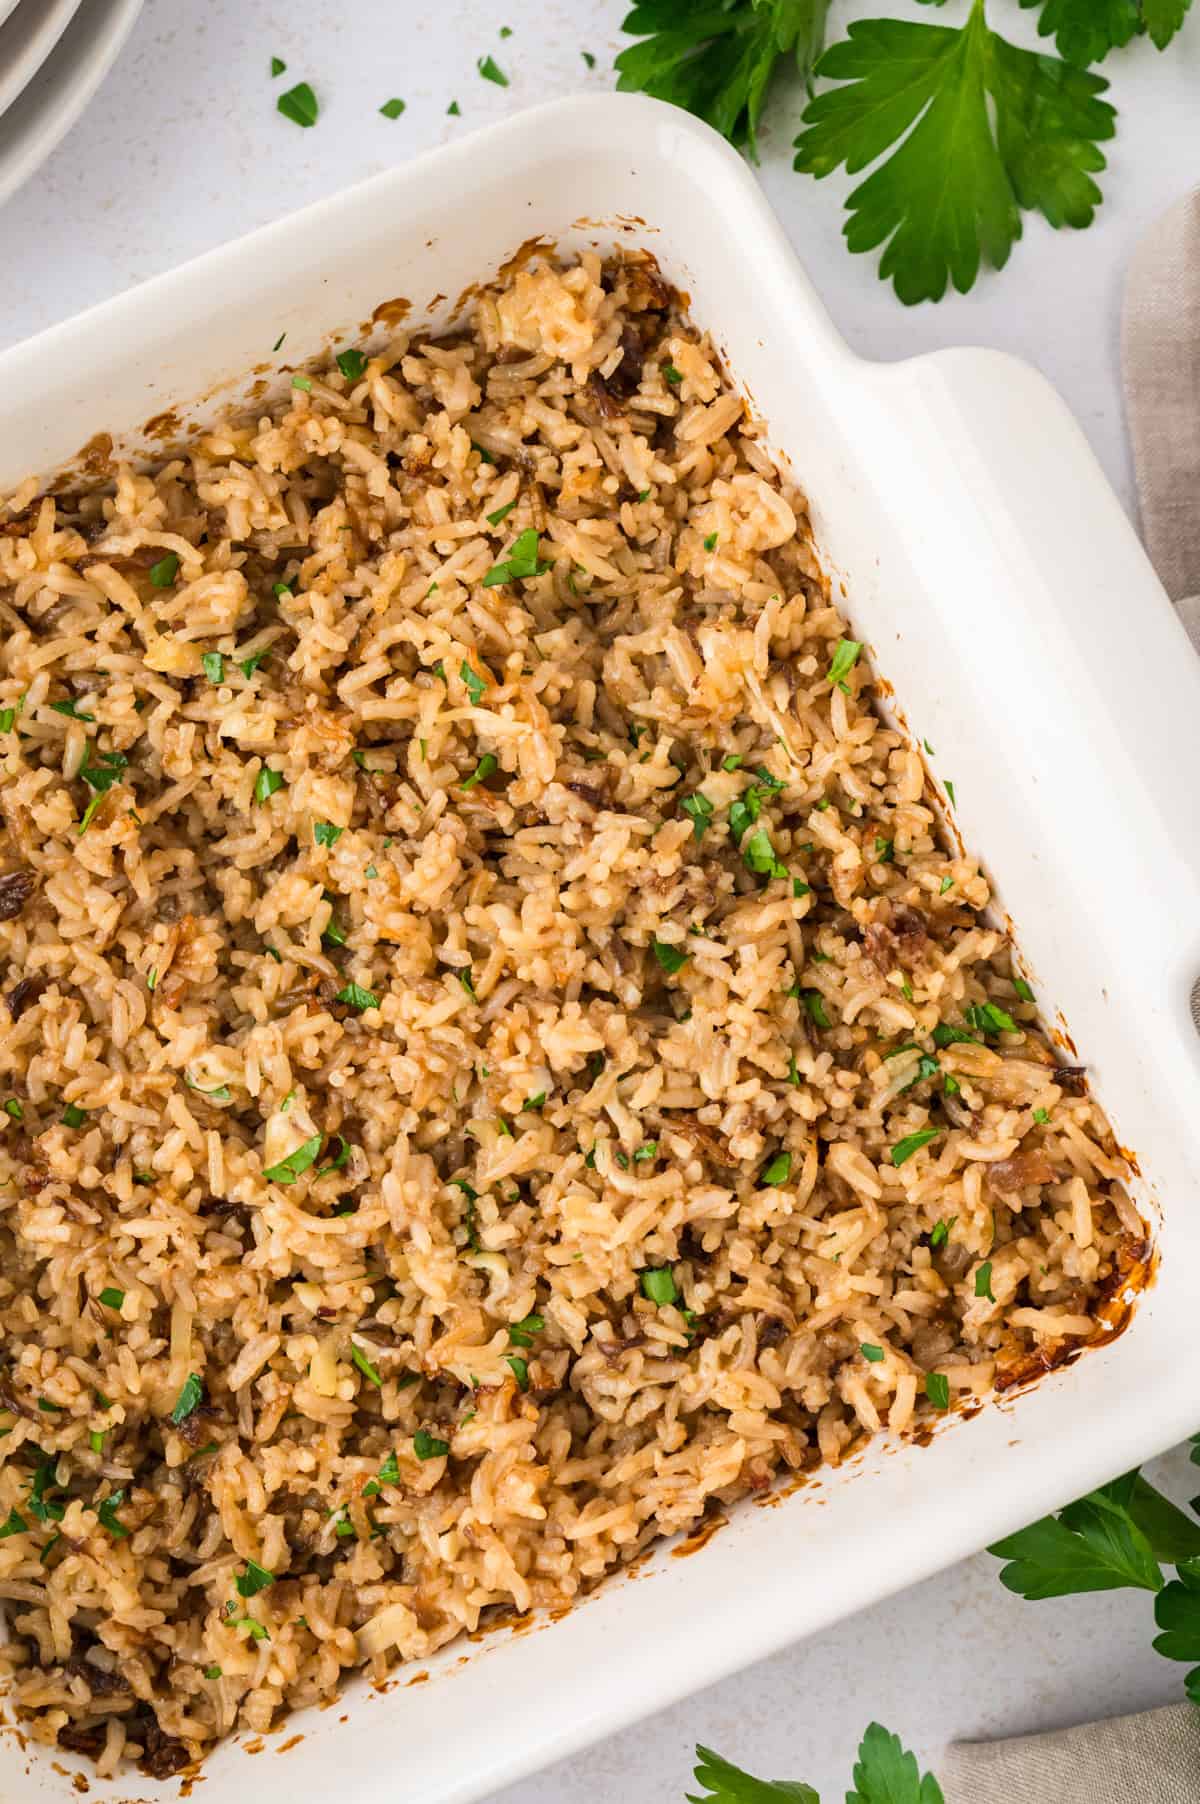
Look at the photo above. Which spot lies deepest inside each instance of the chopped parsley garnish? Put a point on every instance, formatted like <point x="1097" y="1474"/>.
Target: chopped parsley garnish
<point x="289" y="1169"/>
<point x="939" y="1234"/>
<point x="89" y="812"/>
<point x="256" y="1578"/>
<point x="732" y="761"/>
<point x="1023" y="990"/>
<point x="109" y="770"/>
<point x="258" y="1630"/>
<point x="937" y="1389"/>
<point x="468" y="983"/>
<point x="871" y="1353"/>
<point x="534" y="1102"/>
<point x="266" y="783"/>
<point x="15" y="1525"/>
<point x="845" y="657"/>
<point x="983" y="1281"/>
<point x="326" y="834"/>
<point x="214" y="666"/>
<point x="501" y="513"/>
<point x="670" y="958"/>
<point x="519" y="1368"/>
<point x="1041" y="1116"/>
<point x="45" y="1478"/>
<point x="947" y="883"/>
<point x="814" y="1004"/>
<point x="491" y="71"/>
<point x="487" y="764"/>
<point x="14" y="1108"/>
<point x="392" y="109"/>
<point x="904" y="1149"/>
<point x="299" y="104"/>
<point x="352" y="364"/>
<point x="304" y="383"/>
<point x="588" y="58"/>
<point x="188" y="1400"/>
<point x="214" y="1671"/>
<point x="364" y="1365"/>
<point x="107" y="1513"/>
<point x="73" y="1116"/>
<point x="475" y="684"/>
<point x="521" y="1334"/>
<point x="659" y="1286"/>
<point x="710" y="543"/>
<point x="744" y="812"/>
<point x="277" y="68"/>
<point x="885" y="849"/>
<point x="388" y="1474"/>
<point x="701" y="810"/>
<point x="672" y="375"/>
<point x="777" y="1170"/>
<point x="163" y="574"/>
<point x="794" y="1071"/>
<point x="71" y="710"/>
<point x="521" y="563"/>
<point x="356" y="997"/>
<point x="945" y="1035"/>
<point x="428" y="1446"/>
<point x="340" y="1159"/>
<point x="111" y="1297"/>
<point x="758" y="854"/>
<point x="249" y="665"/>
<point x="989" y="1018"/>
<point x="96" y="1440"/>
<point x="648" y="1150"/>
<point x="950" y="791"/>
<point x="7" y="718"/>
<point x="455" y="112"/>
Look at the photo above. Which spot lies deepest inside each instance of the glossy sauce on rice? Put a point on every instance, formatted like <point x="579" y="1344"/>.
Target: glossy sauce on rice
<point x="499" y="1057"/>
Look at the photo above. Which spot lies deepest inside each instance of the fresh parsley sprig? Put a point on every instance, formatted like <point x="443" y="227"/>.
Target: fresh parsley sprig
<point x="884" y="1773"/>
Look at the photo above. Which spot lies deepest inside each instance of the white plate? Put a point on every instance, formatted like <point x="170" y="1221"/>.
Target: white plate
<point x="1006" y="598"/>
<point x="47" y="108"/>
<point x="6" y="6"/>
<point x="26" y="40"/>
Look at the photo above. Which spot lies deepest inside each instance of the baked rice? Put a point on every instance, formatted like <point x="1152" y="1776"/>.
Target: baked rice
<point x="501" y="1057"/>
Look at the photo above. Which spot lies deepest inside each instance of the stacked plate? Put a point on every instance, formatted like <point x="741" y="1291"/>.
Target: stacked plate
<point x="53" y="56"/>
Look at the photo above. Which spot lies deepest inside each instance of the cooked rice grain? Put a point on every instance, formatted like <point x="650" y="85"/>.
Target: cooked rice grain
<point x="465" y="1029"/>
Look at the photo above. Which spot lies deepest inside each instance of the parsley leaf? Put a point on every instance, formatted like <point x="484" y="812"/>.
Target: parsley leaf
<point x="700" y="809"/>
<point x="1084" y="31"/>
<point x="659" y="1286"/>
<point x="357" y="998"/>
<point x="886" y="1773"/>
<point x="725" y="1783"/>
<point x="950" y="193"/>
<point x="107" y="1512"/>
<point x="670" y="958"/>
<point x="487" y="764"/>
<point x="266" y="783"/>
<point x="256" y="1578"/>
<point x="490" y="70"/>
<point x="428" y="1446"/>
<point x="353" y="364"/>
<point x="904" y="1149"/>
<point x="392" y="109"/>
<point x="326" y="834"/>
<point x="717" y="59"/>
<point x="1093" y="1545"/>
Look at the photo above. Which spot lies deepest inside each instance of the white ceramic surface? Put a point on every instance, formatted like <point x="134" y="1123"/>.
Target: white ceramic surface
<point x="43" y="95"/>
<point x="994" y="574"/>
<point x="26" y="40"/>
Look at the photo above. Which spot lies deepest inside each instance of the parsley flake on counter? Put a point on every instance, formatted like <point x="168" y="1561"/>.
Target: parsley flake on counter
<point x="455" y="112"/>
<point x="491" y="71"/>
<point x="588" y="58"/>
<point x="277" y="65"/>
<point x="289" y="1169"/>
<point x="299" y="104"/>
<point x="950" y="792"/>
<point x="392" y="109"/>
<point x="777" y="1170"/>
<point x="188" y="1400"/>
<point x="428" y="1446"/>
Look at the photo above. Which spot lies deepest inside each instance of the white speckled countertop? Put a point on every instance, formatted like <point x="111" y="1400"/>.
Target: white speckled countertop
<point x="181" y="149"/>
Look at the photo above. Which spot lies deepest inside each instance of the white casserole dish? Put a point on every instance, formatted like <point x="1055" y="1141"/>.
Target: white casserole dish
<point x="1006" y="598"/>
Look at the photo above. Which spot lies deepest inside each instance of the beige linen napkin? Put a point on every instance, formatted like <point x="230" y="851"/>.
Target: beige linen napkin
<point x="1152" y="1758"/>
